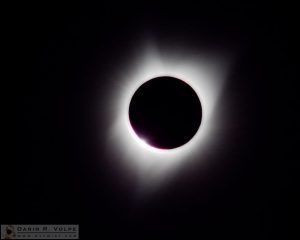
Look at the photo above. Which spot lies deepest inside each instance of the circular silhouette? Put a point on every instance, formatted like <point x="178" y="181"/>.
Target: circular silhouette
<point x="165" y="112"/>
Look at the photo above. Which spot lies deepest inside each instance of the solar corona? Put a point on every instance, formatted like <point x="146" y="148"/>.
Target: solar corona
<point x="160" y="108"/>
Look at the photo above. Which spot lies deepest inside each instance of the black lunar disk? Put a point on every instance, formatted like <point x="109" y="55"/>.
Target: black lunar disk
<point x="165" y="112"/>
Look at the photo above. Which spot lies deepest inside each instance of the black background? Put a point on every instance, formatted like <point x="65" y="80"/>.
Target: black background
<point x="59" y="52"/>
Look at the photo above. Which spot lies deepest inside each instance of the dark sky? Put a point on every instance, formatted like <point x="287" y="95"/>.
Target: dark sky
<point x="59" y="52"/>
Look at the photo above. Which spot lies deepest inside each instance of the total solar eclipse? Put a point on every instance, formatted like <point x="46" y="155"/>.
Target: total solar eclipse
<point x="165" y="112"/>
